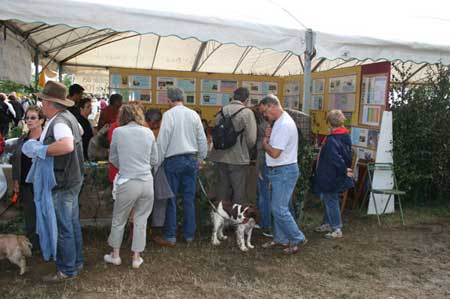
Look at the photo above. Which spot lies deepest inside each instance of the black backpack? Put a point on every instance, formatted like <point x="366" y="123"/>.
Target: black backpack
<point x="224" y="135"/>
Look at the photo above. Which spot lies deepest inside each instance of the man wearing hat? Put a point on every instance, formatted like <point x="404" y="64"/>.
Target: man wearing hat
<point x="62" y="134"/>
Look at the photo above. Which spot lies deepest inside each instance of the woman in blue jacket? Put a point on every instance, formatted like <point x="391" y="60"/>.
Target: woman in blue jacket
<point x="333" y="173"/>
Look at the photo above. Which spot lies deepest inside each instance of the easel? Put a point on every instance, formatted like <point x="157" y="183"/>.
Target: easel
<point x="358" y="191"/>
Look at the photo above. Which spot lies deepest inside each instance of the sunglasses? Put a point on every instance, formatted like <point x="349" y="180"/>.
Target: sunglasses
<point x="31" y="118"/>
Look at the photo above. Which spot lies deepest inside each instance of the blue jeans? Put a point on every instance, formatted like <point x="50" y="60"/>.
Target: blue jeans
<point x="181" y="172"/>
<point x="283" y="181"/>
<point x="264" y="199"/>
<point x="69" y="253"/>
<point x="332" y="213"/>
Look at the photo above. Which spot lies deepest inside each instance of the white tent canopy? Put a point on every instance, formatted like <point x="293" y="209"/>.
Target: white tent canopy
<point x="251" y="37"/>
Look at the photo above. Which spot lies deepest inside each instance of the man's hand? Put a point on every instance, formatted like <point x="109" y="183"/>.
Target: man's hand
<point x="349" y="172"/>
<point x="200" y="164"/>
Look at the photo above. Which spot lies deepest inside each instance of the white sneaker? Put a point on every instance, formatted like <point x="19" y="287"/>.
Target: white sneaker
<point x="323" y="228"/>
<point x="336" y="234"/>
<point x="137" y="263"/>
<point x="112" y="260"/>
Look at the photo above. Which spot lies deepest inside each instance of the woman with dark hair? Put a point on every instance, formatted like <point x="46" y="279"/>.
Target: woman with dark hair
<point x="34" y="119"/>
<point x="133" y="152"/>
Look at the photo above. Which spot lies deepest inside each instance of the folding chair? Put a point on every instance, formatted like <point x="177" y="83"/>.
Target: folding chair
<point x="392" y="192"/>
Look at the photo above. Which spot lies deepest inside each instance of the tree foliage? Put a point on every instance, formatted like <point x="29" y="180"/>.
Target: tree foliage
<point x="7" y="86"/>
<point x="421" y="129"/>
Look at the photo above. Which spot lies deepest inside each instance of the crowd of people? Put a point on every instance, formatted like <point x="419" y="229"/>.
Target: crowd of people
<point x="156" y="156"/>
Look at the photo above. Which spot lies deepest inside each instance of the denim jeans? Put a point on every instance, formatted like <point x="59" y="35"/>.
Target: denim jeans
<point x="332" y="213"/>
<point x="69" y="254"/>
<point x="181" y="172"/>
<point x="264" y="199"/>
<point x="283" y="181"/>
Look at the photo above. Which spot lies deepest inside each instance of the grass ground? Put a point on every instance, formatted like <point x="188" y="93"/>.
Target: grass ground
<point x="390" y="261"/>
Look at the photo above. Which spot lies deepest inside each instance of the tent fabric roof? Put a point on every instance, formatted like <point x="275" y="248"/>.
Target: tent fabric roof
<point x="234" y="36"/>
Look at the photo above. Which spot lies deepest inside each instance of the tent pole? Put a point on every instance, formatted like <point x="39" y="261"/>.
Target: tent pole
<point x="60" y="70"/>
<point x="309" y="54"/>
<point x="36" y="68"/>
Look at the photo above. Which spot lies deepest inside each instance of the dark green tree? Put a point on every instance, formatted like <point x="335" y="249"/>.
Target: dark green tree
<point x="421" y="129"/>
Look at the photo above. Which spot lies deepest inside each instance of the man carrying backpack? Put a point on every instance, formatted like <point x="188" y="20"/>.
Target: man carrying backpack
<point x="234" y="135"/>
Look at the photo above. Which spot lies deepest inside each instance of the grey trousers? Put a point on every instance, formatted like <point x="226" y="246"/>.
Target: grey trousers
<point x="232" y="182"/>
<point x="135" y="194"/>
<point x="159" y="212"/>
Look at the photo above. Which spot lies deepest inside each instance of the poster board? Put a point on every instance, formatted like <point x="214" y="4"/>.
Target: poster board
<point x="335" y="89"/>
<point x="318" y="94"/>
<point x="383" y="179"/>
<point x="372" y="102"/>
<point x="373" y="98"/>
<point x="134" y="87"/>
<point x="259" y="89"/>
<point x="217" y="92"/>
<point x="342" y="93"/>
<point x="291" y="91"/>
<point x="188" y="85"/>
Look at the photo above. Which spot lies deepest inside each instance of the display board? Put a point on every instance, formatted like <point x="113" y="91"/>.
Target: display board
<point x="291" y="91"/>
<point x="372" y="103"/>
<point x="259" y="89"/>
<point x="342" y="93"/>
<point x="215" y="92"/>
<point x="373" y="99"/>
<point x="186" y="84"/>
<point x="135" y="87"/>
<point x="335" y="89"/>
<point x="318" y="94"/>
<point x="383" y="179"/>
<point x="358" y="91"/>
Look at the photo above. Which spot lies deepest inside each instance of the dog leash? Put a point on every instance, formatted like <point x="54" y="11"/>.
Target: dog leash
<point x="203" y="190"/>
<point x="12" y="203"/>
<point x="6" y="209"/>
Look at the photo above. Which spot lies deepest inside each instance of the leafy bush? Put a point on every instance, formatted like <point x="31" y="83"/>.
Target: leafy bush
<point x="10" y="86"/>
<point x="421" y="129"/>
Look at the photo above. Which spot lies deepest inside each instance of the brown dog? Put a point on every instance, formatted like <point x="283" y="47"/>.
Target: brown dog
<point x="15" y="248"/>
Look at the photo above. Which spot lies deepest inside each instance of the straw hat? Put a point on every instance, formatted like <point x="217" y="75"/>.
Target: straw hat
<point x="55" y="92"/>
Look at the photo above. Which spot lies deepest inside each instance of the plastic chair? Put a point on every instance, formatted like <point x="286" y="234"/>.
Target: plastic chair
<point x="392" y="192"/>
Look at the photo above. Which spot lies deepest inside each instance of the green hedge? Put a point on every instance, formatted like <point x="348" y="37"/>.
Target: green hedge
<point x="421" y="129"/>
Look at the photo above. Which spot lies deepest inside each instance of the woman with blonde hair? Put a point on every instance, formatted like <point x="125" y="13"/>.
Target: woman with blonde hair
<point x="133" y="152"/>
<point x="333" y="173"/>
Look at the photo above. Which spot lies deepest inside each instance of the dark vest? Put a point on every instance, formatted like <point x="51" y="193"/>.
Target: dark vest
<point x="68" y="168"/>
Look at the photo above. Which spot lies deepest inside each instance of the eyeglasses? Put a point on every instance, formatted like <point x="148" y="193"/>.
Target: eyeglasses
<point x="31" y="118"/>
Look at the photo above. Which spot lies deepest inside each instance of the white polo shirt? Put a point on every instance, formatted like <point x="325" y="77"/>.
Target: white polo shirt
<point x="284" y="137"/>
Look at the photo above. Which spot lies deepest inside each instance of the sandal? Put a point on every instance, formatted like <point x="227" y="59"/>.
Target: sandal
<point x="294" y="248"/>
<point x="273" y="244"/>
<point x="291" y="250"/>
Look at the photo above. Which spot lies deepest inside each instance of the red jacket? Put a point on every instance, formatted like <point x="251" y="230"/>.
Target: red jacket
<point x="2" y="144"/>
<point x="112" y="170"/>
